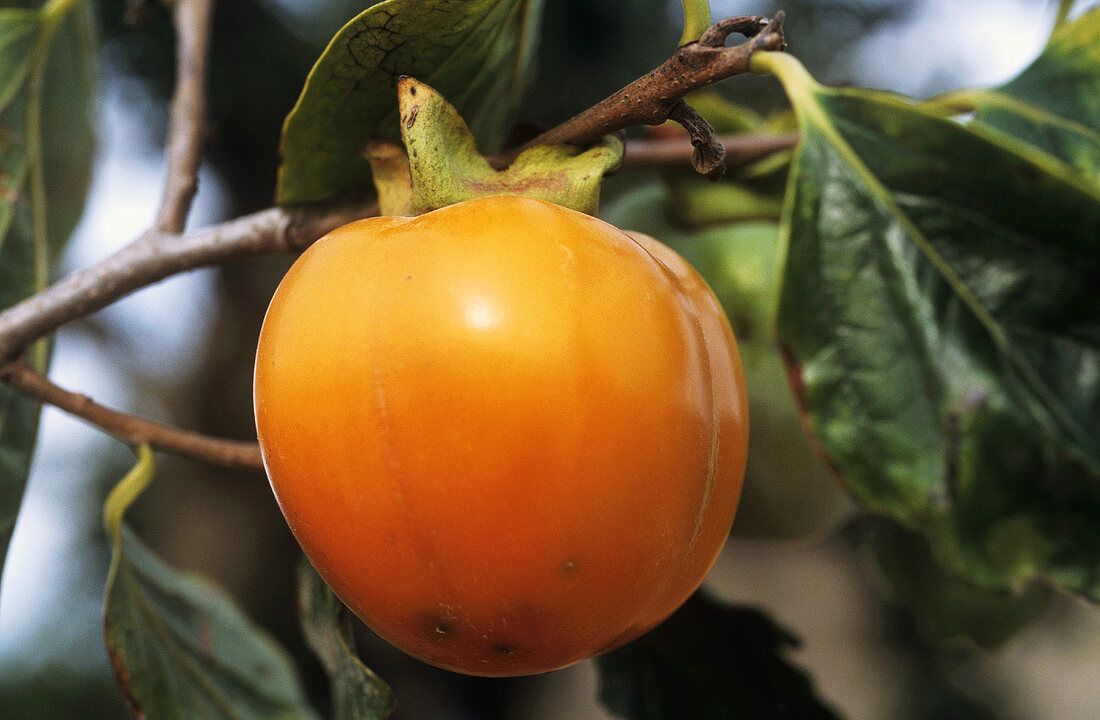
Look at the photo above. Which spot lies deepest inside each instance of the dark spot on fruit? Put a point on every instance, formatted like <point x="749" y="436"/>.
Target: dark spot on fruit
<point x="412" y="117"/>
<point x="441" y="623"/>
<point x="408" y="277"/>
<point x="504" y="650"/>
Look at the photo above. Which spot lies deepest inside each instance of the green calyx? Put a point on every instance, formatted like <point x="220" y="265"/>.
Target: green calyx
<point x="440" y="164"/>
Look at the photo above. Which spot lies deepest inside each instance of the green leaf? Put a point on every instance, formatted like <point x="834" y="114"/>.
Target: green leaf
<point x="700" y="202"/>
<point x="945" y="607"/>
<point x="47" y="62"/>
<point x="725" y="116"/>
<point x="443" y="167"/>
<point x="68" y="116"/>
<point x="939" y="310"/>
<point x="18" y="415"/>
<point x="180" y="647"/>
<point x="1054" y="104"/>
<point x="357" y="693"/>
<point x="709" y="662"/>
<point x="696" y="20"/>
<point x="476" y="53"/>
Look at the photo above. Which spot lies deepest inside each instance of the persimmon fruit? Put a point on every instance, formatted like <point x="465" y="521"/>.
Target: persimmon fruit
<point x="508" y="435"/>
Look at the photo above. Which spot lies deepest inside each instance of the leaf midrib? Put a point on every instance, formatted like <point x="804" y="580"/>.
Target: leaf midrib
<point x="179" y="645"/>
<point x="812" y="111"/>
<point x="1001" y="100"/>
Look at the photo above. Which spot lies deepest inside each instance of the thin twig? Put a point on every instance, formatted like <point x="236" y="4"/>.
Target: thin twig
<point x="650" y="99"/>
<point x="129" y="428"/>
<point x="677" y="151"/>
<point x="155" y="256"/>
<point x="158" y="254"/>
<point x="164" y="251"/>
<point x="187" y="124"/>
<point x="708" y="156"/>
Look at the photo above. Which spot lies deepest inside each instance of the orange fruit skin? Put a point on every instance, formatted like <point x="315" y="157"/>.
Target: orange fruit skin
<point x="508" y="435"/>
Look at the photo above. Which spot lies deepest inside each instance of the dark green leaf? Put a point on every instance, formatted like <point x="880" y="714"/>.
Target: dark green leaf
<point x="68" y="101"/>
<point x="18" y="416"/>
<point x="357" y="693"/>
<point x="180" y="647"/>
<point x="939" y="307"/>
<point x="709" y="662"/>
<point x="700" y="202"/>
<point x="1054" y="104"/>
<point x="945" y="606"/>
<point x="476" y="53"/>
<point x="46" y="81"/>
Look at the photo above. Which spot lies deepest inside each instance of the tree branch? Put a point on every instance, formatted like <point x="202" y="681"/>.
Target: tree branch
<point x="652" y="98"/>
<point x="187" y="126"/>
<point x="131" y="429"/>
<point x="163" y="250"/>
<point x="155" y="255"/>
<point x="160" y="252"/>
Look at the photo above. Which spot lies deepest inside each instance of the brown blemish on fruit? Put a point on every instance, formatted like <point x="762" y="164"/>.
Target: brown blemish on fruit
<point x="441" y="623"/>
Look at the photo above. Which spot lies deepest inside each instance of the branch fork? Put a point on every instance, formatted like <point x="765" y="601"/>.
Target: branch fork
<point x="658" y="96"/>
<point x="165" y="250"/>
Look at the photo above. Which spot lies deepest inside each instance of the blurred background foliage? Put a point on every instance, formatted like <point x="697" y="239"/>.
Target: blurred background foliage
<point x="185" y="354"/>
